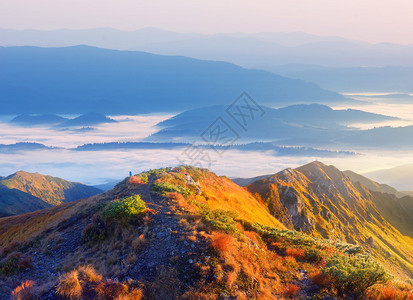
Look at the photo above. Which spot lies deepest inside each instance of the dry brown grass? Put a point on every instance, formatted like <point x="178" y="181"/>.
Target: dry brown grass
<point x="85" y="282"/>
<point x="295" y="252"/>
<point x="69" y="285"/>
<point x="108" y="290"/>
<point x="133" y="180"/>
<point x="222" y="242"/>
<point x="166" y="285"/>
<point x="23" y="228"/>
<point x="139" y="242"/>
<point x="321" y="279"/>
<point x="390" y="291"/>
<point x="24" y="291"/>
<point x="89" y="274"/>
<point x="292" y="290"/>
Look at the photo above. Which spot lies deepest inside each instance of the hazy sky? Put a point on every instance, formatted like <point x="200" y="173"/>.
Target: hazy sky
<point x="368" y="20"/>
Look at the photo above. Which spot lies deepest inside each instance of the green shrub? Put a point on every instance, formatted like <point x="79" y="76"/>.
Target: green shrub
<point x="124" y="208"/>
<point x="355" y="273"/>
<point x="313" y="255"/>
<point x="166" y="187"/>
<point x="221" y="220"/>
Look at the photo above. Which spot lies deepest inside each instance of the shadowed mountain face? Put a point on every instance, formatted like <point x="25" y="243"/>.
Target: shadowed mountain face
<point x="16" y="202"/>
<point x="82" y="79"/>
<point x="321" y="200"/>
<point x="24" y="192"/>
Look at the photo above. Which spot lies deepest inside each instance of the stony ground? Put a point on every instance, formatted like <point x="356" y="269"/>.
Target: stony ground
<point x="166" y="247"/>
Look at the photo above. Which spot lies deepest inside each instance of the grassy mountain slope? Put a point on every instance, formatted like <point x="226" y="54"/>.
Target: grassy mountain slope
<point x="394" y="206"/>
<point x="320" y="200"/>
<point x="181" y="233"/>
<point x="51" y="190"/>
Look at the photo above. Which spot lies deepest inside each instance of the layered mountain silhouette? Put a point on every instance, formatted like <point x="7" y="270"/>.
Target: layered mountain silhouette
<point x="48" y="119"/>
<point x="250" y="50"/>
<point x="383" y="79"/>
<point x="88" y="119"/>
<point x="373" y="185"/>
<point x="23" y="146"/>
<point x="81" y="79"/>
<point x="400" y="176"/>
<point x="24" y="192"/>
<point x="186" y="232"/>
<point x="312" y="124"/>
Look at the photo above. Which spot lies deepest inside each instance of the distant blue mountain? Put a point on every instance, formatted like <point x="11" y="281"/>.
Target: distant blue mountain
<point x="88" y="119"/>
<point x="47" y="119"/>
<point x="360" y="79"/>
<point x="23" y="147"/>
<point x="313" y="124"/>
<point x="81" y="79"/>
<point x="256" y="146"/>
<point x="259" y="50"/>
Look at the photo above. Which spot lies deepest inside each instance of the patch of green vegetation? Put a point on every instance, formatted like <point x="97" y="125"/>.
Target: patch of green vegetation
<point x="355" y="273"/>
<point x="221" y="220"/>
<point x="296" y="238"/>
<point x="125" y="208"/>
<point x="313" y="255"/>
<point x="349" y="267"/>
<point x="144" y="176"/>
<point x="166" y="187"/>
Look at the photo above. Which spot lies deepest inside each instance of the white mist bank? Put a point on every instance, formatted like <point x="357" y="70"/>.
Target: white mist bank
<point x="127" y="129"/>
<point x="95" y="167"/>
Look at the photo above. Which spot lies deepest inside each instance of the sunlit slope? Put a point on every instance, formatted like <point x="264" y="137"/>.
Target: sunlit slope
<point x="219" y="192"/>
<point x="184" y="232"/>
<point x="322" y="201"/>
<point x="50" y="189"/>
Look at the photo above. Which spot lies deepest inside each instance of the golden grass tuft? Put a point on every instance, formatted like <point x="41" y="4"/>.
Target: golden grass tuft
<point x="69" y="285"/>
<point x="390" y="291"/>
<point x="134" y="180"/>
<point x="295" y="252"/>
<point x="222" y="242"/>
<point x="292" y="290"/>
<point x="89" y="274"/>
<point x="110" y="290"/>
<point x="24" y="291"/>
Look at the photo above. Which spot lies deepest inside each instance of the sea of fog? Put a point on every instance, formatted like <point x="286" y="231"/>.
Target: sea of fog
<point x="97" y="167"/>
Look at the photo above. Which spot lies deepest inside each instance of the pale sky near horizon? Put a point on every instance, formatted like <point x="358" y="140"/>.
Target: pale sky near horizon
<point x="368" y="20"/>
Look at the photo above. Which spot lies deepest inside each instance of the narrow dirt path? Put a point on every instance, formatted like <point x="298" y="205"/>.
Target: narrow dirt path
<point x="166" y="248"/>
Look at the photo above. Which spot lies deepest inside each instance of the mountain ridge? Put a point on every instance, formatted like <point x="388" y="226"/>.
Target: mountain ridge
<point x="24" y="192"/>
<point x="189" y="233"/>
<point x="320" y="199"/>
<point x="115" y="82"/>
